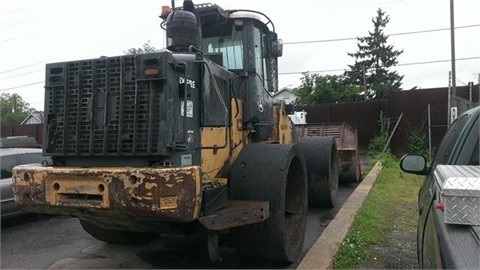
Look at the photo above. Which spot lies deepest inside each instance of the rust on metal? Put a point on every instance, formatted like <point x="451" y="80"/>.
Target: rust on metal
<point x="170" y="194"/>
<point x="237" y="213"/>
<point x="282" y="127"/>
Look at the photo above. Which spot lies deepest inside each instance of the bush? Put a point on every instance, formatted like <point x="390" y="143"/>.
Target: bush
<point x="417" y="142"/>
<point x="376" y="144"/>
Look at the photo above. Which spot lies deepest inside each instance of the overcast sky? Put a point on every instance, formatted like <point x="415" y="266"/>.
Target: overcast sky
<point x="33" y="33"/>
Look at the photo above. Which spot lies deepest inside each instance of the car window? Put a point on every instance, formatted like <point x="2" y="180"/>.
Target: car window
<point x="475" y="156"/>
<point x="4" y="173"/>
<point x="468" y="154"/>
<point x="448" y="143"/>
<point x="11" y="157"/>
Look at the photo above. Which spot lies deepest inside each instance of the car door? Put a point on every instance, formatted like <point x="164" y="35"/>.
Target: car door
<point x="454" y="244"/>
<point x="427" y="242"/>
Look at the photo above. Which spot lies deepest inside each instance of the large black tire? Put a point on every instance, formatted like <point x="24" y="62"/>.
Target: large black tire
<point x="322" y="169"/>
<point x="274" y="173"/>
<point x="116" y="237"/>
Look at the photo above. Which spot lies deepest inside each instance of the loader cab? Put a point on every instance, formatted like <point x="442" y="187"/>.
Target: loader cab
<point x="243" y="43"/>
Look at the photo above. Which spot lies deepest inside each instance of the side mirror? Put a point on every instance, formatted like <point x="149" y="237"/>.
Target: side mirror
<point x="277" y="48"/>
<point x="413" y="163"/>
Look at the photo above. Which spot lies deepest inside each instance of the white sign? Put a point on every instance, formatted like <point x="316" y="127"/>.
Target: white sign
<point x="189" y="108"/>
<point x="453" y="114"/>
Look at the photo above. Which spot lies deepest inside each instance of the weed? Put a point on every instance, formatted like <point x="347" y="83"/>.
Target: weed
<point x="352" y="249"/>
<point x="417" y="142"/>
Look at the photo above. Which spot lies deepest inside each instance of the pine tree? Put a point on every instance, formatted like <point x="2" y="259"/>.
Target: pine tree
<point x="377" y="57"/>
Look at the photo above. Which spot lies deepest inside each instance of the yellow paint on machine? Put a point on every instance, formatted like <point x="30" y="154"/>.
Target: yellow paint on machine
<point x="284" y="126"/>
<point x="59" y="188"/>
<point x="170" y="193"/>
<point x="213" y="160"/>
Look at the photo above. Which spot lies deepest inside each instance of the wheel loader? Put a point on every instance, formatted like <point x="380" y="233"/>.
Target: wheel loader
<point x="185" y="140"/>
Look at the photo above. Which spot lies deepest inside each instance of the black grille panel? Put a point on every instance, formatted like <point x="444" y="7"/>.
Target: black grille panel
<point x="99" y="107"/>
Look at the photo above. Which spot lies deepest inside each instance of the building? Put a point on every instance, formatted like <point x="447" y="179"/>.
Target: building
<point x="34" y="118"/>
<point x="285" y="94"/>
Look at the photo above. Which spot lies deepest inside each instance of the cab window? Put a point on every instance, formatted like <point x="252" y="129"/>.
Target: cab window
<point x="229" y="46"/>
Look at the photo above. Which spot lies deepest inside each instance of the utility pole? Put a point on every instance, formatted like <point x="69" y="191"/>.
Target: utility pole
<point x="452" y="40"/>
<point x="14" y="99"/>
<point x="429" y="133"/>
<point x="470" y="88"/>
<point x="449" y="98"/>
<point x="365" y="96"/>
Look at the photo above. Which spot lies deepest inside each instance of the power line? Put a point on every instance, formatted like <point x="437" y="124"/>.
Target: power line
<point x="394" y="34"/>
<point x="439" y="61"/>
<point x="131" y="37"/>
<point x="404" y="64"/>
<point x="285" y="43"/>
<point x="20" y="86"/>
<point x="314" y="71"/>
<point x="300" y="72"/>
<point x="23" y="74"/>
<point x="14" y="10"/>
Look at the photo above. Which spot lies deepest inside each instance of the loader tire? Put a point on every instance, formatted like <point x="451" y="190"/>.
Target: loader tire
<point x="322" y="169"/>
<point x="274" y="173"/>
<point x="116" y="237"/>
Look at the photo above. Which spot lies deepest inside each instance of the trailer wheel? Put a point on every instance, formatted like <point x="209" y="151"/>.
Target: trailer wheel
<point x="357" y="173"/>
<point x="274" y="173"/>
<point x="350" y="170"/>
<point x="322" y="166"/>
<point x="114" y="236"/>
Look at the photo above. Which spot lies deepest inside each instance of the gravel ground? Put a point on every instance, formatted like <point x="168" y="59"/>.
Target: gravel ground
<point x="397" y="251"/>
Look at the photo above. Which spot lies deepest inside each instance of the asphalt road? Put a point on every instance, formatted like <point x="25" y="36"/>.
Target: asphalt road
<point x="59" y="242"/>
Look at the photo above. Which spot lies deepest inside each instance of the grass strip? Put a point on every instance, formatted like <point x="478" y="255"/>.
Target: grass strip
<point x="390" y="206"/>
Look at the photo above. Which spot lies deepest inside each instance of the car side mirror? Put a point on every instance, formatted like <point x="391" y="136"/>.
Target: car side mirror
<point x="413" y="163"/>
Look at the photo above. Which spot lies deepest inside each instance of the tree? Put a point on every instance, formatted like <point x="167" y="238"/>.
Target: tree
<point x="317" y="88"/>
<point x="13" y="109"/>
<point x="146" y="48"/>
<point x="376" y="57"/>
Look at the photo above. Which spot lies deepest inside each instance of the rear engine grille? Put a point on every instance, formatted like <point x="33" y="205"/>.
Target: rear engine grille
<point x="98" y="107"/>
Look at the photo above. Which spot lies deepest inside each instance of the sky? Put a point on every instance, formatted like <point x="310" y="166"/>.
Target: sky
<point x="36" y="32"/>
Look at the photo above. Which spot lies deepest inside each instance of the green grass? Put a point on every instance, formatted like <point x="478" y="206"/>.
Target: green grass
<point x="391" y="203"/>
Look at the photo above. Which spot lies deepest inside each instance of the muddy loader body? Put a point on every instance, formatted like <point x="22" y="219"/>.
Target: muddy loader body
<point x="185" y="140"/>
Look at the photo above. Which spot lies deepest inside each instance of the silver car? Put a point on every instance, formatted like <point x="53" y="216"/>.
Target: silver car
<point x="9" y="158"/>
